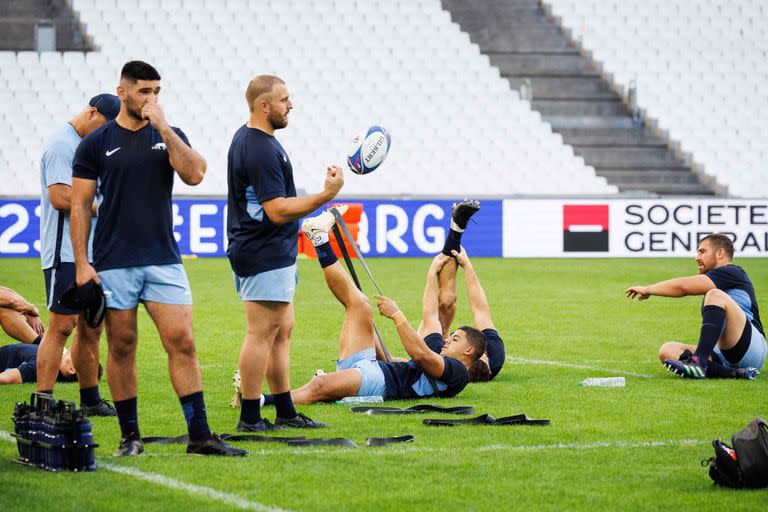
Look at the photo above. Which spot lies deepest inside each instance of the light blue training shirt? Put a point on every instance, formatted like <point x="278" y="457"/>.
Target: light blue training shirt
<point x="56" y="167"/>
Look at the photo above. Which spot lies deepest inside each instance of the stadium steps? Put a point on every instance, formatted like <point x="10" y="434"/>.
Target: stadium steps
<point x="529" y="49"/>
<point x="19" y="17"/>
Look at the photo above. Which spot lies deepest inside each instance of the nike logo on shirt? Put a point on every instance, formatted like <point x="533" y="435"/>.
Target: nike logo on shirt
<point x="112" y="151"/>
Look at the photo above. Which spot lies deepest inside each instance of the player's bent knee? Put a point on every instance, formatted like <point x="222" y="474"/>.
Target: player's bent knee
<point x="670" y="350"/>
<point x="447" y="300"/>
<point x="715" y="297"/>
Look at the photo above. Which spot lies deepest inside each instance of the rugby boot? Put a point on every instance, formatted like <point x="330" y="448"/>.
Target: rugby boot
<point x="462" y="211"/>
<point x="129" y="446"/>
<point x="300" y="421"/>
<point x="102" y="408"/>
<point x="214" y="446"/>
<point x="262" y="425"/>
<point x="691" y="367"/>
<point x="318" y="227"/>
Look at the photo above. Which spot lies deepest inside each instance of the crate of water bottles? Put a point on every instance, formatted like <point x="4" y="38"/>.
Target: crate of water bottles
<point x="53" y="435"/>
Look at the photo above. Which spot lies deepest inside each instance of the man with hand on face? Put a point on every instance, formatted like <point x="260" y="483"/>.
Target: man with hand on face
<point x="262" y="223"/>
<point x="132" y="161"/>
<point x="732" y="341"/>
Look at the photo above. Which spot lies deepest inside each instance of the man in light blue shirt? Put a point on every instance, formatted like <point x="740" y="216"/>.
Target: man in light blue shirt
<point x="58" y="258"/>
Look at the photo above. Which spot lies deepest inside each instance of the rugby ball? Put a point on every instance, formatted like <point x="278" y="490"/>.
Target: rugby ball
<point x="369" y="150"/>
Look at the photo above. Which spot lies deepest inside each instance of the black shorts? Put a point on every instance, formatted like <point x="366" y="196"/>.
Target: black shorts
<point x="57" y="280"/>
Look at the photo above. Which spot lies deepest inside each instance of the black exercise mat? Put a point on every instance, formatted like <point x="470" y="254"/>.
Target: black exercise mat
<point x="416" y="409"/>
<point x="487" y="419"/>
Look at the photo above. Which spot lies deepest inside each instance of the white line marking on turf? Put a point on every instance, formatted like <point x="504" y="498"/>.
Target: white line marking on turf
<point x="523" y="360"/>
<point x="592" y="446"/>
<point x="171" y="483"/>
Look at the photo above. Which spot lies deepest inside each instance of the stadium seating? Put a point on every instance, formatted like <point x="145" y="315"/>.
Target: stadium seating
<point x="699" y="67"/>
<point x="457" y="128"/>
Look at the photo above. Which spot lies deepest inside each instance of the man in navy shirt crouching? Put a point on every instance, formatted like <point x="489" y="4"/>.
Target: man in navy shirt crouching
<point x="358" y="373"/>
<point x="131" y="161"/>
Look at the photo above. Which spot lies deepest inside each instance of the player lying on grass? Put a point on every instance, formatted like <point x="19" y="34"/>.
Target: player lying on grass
<point x="732" y="341"/>
<point x="357" y="370"/>
<point x="19" y="318"/>
<point x="18" y="365"/>
<point x="490" y="363"/>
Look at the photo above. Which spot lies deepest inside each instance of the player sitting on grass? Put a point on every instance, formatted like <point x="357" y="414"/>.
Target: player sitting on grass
<point x="357" y="370"/>
<point x="19" y="318"/>
<point x="732" y="342"/>
<point x="18" y="365"/>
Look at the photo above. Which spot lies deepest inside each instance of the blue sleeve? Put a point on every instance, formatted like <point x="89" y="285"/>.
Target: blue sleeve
<point x="435" y="342"/>
<point x="86" y="162"/>
<point x="265" y="173"/>
<point x="57" y="164"/>
<point x="28" y="372"/>
<point x="182" y="135"/>
<point x="725" y="278"/>
<point x="454" y="375"/>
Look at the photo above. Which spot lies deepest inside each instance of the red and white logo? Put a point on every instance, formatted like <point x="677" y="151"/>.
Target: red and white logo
<point x="585" y="227"/>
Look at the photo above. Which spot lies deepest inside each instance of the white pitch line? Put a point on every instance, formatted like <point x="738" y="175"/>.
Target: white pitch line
<point x="171" y="483"/>
<point x="523" y="360"/>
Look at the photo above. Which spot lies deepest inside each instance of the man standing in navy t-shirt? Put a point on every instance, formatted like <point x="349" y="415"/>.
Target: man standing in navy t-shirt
<point x="262" y="227"/>
<point x="732" y="341"/>
<point x="358" y="372"/>
<point x="131" y="162"/>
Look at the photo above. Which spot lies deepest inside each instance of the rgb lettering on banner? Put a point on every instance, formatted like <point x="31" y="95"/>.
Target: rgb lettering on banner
<point x="395" y="228"/>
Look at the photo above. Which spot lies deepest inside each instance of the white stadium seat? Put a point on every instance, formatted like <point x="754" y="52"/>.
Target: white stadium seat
<point x="700" y="69"/>
<point x="347" y="63"/>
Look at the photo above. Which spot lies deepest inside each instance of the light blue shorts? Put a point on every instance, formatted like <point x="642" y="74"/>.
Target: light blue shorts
<point x="365" y="362"/>
<point x="277" y="285"/>
<point x="755" y="355"/>
<point x="124" y="288"/>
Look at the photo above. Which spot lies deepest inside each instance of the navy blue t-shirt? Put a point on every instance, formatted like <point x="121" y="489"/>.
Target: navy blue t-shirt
<point x="734" y="281"/>
<point x="23" y="357"/>
<point x="135" y="178"/>
<point x="258" y="169"/>
<point x="494" y="347"/>
<point x="404" y="380"/>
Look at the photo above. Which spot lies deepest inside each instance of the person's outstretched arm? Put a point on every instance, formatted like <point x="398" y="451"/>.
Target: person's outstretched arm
<point x="433" y="364"/>
<point x="481" y="310"/>
<point x="678" y="287"/>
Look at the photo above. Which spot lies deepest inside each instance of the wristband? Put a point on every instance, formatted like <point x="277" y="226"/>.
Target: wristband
<point x="404" y="321"/>
<point x="398" y="312"/>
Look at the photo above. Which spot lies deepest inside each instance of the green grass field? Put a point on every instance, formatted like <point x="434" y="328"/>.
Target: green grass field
<point x="632" y="448"/>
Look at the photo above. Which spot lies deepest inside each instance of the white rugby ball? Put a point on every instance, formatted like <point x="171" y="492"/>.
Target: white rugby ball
<point x="369" y="150"/>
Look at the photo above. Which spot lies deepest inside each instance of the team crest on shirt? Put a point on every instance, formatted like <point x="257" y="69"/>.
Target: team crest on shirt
<point x="160" y="146"/>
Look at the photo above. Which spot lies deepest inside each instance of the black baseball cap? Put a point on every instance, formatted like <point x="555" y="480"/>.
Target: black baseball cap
<point x="108" y="105"/>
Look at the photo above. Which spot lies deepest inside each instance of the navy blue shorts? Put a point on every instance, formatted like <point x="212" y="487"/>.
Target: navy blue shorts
<point x="57" y="280"/>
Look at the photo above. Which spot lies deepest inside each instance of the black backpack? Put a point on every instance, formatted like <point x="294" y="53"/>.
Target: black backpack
<point x="745" y="465"/>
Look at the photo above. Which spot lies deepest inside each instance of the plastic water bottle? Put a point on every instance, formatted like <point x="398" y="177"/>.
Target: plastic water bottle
<point x="349" y="400"/>
<point x="608" y="382"/>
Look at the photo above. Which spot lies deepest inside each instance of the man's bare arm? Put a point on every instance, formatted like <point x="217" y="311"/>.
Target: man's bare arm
<point x="481" y="310"/>
<point x="281" y="210"/>
<point x="433" y="364"/>
<point x="678" y="287"/>
<point x="83" y="192"/>
<point x="12" y="376"/>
